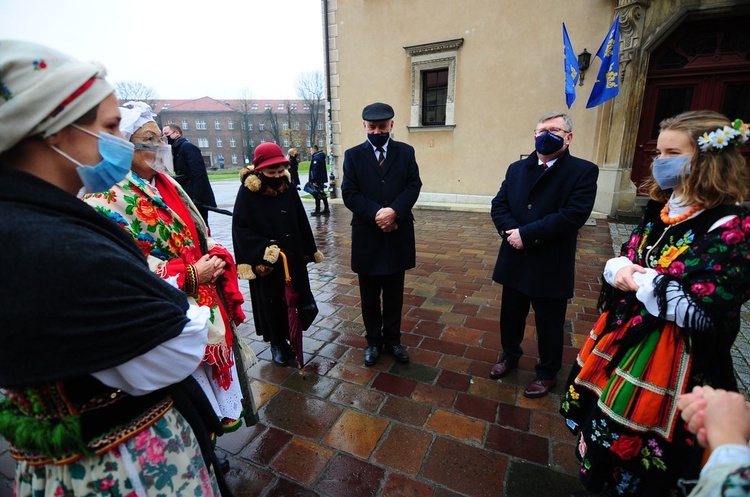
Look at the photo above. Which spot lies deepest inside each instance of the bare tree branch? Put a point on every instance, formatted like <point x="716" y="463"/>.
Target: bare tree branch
<point x="243" y="107"/>
<point x="134" y="90"/>
<point x="293" y="133"/>
<point x="311" y="88"/>
<point x="273" y="117"/>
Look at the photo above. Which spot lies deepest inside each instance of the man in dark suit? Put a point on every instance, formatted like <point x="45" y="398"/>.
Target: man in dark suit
<point x="541" y="205"/>
<point x="190" y="170"/>
<point x="380" y="186"/>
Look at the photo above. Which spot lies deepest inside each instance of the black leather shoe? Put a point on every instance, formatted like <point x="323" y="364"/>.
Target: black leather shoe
<point x="326" y="213"/>
<point x="539" y="388"/>
<point x="372" y="352"/>
<point x="398" y="352"/>
<point x="277" y="353"/>
<point x="315" y="214"/>
<point x="288" y="351"/>
<point x="502" y="368"/>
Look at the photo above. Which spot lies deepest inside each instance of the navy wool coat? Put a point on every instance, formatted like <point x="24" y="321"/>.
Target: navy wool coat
<point x="190" y="172"/>
<point x="368" y="187"/>
<point x="549" y="208"/>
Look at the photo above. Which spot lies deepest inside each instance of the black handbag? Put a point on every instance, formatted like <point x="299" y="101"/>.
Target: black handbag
<point x="307" y="310"/>
<point x="309" y="188"/>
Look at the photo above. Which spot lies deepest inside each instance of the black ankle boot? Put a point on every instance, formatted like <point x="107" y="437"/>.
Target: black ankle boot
<point x="278" y="356"/>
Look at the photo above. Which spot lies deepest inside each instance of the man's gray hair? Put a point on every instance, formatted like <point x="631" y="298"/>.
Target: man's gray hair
<point x="553" y="115"/>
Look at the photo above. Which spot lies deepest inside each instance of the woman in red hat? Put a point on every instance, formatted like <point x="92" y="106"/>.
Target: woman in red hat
<point x="269" y="218"/>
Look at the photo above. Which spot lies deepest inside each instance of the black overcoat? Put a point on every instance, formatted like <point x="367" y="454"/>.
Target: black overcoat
<point x="366" y="188"/>
<point x="549" y="208"/>
<point x="261" y="220"/>
<point x="190" y="172"/>
<point x="318" y="173"/>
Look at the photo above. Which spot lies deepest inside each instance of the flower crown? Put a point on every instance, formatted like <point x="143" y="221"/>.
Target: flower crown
<point x="736" y="134"/>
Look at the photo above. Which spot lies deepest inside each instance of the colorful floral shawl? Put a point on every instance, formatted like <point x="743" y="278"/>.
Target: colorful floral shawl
<point x="638" y="363"/>
<point x="171" y="236"/>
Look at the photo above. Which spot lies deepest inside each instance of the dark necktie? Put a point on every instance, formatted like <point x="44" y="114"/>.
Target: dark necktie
<point x="381" y="156"/>
<point x="544" y="166"/>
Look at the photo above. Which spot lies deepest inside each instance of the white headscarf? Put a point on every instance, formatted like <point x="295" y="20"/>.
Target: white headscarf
<point x="43" y="90"/>
<point x="134" y="115"/>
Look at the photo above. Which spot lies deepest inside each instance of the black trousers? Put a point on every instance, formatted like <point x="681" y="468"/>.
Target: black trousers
<point x="383" y="325"/>
<point x="549" y="314"/>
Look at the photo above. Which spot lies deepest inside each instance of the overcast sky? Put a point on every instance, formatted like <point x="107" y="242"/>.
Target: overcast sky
<point x="182" y="49"/>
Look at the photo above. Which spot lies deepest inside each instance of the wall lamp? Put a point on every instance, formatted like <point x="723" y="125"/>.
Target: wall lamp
<point x="584" y="61"/>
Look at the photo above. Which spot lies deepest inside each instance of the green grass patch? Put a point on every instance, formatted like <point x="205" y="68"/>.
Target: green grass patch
<point x="234" y="172"/>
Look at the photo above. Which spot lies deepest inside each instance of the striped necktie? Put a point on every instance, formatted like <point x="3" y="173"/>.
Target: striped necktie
<point x="381" y="156"/>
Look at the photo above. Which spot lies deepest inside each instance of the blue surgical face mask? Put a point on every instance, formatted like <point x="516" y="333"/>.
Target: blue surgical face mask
<point x="548" y="143"/>
<point x="668" y="171"/>
<point x="378" y="139"/>
<point x="117" y="156"/>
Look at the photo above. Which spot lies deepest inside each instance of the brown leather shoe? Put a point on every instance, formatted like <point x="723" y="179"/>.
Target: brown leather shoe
<point x="539" y="388"/>
<point x="502" y="368"/>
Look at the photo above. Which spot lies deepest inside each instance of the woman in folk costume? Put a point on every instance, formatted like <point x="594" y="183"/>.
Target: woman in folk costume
<point x="155" y="210"/>
<point x="268" y="218"/>
<point x="96" y="349"/>
<point x="671" y="306"/>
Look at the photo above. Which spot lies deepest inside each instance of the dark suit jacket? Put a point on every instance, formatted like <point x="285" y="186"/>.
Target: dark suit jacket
<point x="549" y="208"/>
<point x="190" y="172"/>
<point x="366" y="188"/>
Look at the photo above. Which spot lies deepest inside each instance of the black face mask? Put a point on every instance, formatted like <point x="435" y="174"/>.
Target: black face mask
<point x="548" y="143"/>
<point x="274" y="183"/>
<point x="170" y="140"/>
<point x="378" y="139"/>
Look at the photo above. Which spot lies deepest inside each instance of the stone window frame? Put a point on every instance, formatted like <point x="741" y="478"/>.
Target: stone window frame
<point x="428" y="57"/>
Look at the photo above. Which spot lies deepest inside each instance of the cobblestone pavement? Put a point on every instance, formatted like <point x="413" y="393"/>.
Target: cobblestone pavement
<point x="435" y="427"/>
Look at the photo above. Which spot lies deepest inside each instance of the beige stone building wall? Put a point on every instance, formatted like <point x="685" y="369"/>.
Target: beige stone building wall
<point x="507" y="72"/>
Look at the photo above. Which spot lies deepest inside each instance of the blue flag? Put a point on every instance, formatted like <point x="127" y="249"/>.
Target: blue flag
<point x="571" y="69"/>
<point x="607" y="83"/>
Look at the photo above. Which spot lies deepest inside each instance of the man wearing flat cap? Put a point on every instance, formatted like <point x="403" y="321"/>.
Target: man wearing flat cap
<point x="380" y="186"/>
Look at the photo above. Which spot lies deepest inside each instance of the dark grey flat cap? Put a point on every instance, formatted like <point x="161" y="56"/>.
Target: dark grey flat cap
<point x="377" y="112"/>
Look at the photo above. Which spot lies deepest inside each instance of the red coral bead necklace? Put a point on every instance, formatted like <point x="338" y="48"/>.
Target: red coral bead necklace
<point x="664" y="214"/>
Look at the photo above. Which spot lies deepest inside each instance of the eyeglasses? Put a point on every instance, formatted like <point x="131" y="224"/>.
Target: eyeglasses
<point x="152" y="140"/>
<point x="168" y="135"/>
<point x="148" y="146"/>
<point x="554" y="131"/>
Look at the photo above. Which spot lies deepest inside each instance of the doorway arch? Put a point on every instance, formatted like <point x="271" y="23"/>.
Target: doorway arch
<point x="703" y="65"/>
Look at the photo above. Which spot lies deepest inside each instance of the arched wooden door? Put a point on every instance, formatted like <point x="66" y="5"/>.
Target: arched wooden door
<point x="704" y="65"/>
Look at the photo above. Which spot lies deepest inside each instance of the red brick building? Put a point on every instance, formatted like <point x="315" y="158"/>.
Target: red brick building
<point x="227" y="131"/>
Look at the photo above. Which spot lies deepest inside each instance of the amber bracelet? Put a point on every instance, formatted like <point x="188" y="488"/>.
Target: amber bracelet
<point x="191" y="280"/>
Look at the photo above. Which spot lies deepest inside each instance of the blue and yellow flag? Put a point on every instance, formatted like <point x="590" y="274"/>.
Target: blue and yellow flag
<point x="607" y="83"/>
<point x="571" y="69"/>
